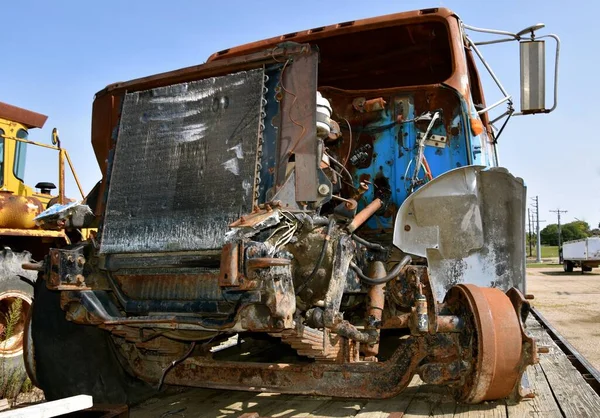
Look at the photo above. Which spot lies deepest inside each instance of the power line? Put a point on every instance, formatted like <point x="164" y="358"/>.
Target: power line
<point x="558" y="212"/>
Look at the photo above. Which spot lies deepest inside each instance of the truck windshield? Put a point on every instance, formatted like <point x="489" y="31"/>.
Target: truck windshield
<point x="20" y="155"/>
<point x="396" y="56"/>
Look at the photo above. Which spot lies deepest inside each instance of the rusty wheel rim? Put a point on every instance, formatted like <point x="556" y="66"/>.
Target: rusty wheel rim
<point x="496" y="342"/>
<point x="11" y="336"/>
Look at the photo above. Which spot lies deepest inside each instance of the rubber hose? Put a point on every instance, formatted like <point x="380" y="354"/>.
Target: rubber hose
<point x="391" y="275"/>
<point x="368" y="244"/>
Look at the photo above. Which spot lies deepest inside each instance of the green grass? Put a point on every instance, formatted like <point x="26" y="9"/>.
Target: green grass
<point x="543" y="265"/>
<point x="548" y="251"/>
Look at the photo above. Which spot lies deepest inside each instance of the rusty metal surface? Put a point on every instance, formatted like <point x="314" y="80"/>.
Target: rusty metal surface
<point x="26" y="117"/>
<point x="360" y="380"/>
<point x="228" y="273"/>
<point x="17" y="212"/>
<point x="375" y="304"/>
<point x="365" y="214"/>
<point x="396" y="322"/>
<point x="170" y="286"/>
<point x="32" y="233"/>
<point x="298" y="126"/>
<point x="268" y="280"/>
<point x="497" y="343"/>
<point x="363" y="39"/>
<point x="318" y="344"/>
<point x="61" y="177"/>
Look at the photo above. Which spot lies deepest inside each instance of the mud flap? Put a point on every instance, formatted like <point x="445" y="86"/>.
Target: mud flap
<point x="470" y="225"/>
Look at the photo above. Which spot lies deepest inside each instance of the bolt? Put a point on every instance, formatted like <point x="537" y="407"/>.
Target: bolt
<point x="68" y="278"/>
<point x="407" y="228"/>
<point x="543" y="349"/>
<point x="529" y="296"/>
<point x="80" y="261"/>
<point x="80" y="280"/>
<point x="323" y="189"/>
<point x="279" y="323"/>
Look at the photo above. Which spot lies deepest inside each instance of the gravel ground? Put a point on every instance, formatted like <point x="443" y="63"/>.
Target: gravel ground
<point x="571" y="302"/>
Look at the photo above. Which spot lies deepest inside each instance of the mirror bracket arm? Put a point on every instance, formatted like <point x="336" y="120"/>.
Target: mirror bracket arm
<point x="556" y="63"/>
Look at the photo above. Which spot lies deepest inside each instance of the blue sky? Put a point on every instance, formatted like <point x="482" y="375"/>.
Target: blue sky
<point x="62" y="52"/>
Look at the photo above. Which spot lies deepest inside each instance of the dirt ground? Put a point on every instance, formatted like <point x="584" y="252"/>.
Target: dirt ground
<point x="571" y="303"/>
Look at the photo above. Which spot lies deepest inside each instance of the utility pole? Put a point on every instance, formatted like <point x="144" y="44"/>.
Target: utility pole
<point x="530" y="234"/>
<point x="538" y="258"/>
<point x="558" y="212"/>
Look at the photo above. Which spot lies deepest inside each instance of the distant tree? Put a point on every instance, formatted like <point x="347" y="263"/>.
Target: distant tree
<point x="582" y="226"/>
<point x="571" y="231"/>
<point x="595" y="232"/>
<point x="549" y="235"/>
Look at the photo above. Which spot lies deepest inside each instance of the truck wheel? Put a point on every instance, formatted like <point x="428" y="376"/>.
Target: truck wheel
<point x="72" y="359"/>
<point x="586" y="268"/>
<point x="15" y="302"/>
<point x="568" y="266"/>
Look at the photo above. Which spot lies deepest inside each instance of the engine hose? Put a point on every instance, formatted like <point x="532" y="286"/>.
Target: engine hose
<point x="368" y="244"/>
<point x="321" y="256"/>
<point x="391" y="275"/>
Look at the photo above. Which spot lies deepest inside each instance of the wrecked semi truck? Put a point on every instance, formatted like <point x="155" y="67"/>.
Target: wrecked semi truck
<point x="329" y="200"/>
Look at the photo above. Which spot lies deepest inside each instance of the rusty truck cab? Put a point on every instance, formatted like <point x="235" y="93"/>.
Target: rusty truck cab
<point x="276" y="190"/>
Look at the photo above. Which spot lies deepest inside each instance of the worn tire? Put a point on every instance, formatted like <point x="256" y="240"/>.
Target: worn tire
<point x="72" y="359"/>
<point x="568" y="266"/>
<point x="15" y="284"/>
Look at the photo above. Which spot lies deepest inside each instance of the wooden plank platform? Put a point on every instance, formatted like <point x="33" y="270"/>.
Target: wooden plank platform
<point x="560" y="391"/>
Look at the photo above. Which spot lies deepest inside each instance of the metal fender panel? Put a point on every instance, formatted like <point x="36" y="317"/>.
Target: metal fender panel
<point x="185" y="164"/>
<point x="469" y="223"/>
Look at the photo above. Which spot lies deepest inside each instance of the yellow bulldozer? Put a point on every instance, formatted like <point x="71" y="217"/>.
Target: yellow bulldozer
<point x="21" y="240"/>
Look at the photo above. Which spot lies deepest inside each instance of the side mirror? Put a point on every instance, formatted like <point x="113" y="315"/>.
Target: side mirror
<point x="55" y="138"/>
<point x="533" y="76"/>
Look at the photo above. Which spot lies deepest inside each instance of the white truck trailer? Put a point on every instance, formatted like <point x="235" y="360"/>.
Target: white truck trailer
<point x="584" y="253"/>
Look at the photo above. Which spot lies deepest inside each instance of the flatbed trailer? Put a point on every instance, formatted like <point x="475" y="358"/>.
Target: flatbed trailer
<point x="564" y="383"/>
<point x="582" y="253"/>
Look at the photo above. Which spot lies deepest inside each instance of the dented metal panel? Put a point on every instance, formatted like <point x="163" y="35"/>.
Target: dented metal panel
<point x="470" y="225"/>
<point x="184" y="165"/>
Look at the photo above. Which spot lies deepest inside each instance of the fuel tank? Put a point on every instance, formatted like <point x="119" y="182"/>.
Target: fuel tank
<point x="18" y="211"/>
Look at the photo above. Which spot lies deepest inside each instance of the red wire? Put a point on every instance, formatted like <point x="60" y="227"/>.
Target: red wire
<point x="427" y="169"/>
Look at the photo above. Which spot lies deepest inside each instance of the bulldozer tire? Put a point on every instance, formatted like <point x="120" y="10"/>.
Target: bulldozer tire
<point x="16" y="293"/>
<point x="73" y="359"/>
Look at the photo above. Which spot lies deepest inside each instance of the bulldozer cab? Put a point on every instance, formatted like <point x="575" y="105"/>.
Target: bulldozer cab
<point x="15" y="124"/>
